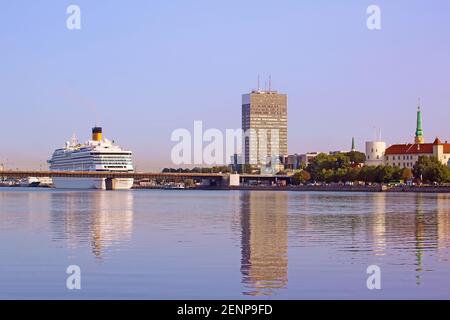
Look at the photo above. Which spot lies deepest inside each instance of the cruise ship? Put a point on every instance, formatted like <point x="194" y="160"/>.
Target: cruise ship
<point x="98" y="154"/>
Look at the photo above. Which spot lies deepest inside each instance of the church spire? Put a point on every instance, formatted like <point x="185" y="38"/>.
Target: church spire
<point x="353" y="144"/>
<point x="419" y="139"/>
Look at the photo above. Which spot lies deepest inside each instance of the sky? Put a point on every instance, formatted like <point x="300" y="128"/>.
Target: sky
<point x="142" y="69"/>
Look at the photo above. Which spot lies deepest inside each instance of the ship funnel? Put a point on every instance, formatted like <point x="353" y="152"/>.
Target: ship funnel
<point x="97" y="134"/>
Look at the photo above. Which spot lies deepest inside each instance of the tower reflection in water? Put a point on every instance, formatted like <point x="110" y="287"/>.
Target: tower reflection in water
<point x="102" y="219"/>
<point x="264" y="242"/>
<point x="379" y="224"/>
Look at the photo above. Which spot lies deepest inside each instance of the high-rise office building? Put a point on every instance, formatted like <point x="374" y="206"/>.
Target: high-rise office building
<point x="264" y="122"/>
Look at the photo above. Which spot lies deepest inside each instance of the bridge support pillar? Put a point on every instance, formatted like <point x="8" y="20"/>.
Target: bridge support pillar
<point x="234" y="180"/>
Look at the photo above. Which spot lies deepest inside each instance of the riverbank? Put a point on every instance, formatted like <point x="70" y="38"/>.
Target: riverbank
<point x="329" y="188"/>
<point x="422" y="189"/>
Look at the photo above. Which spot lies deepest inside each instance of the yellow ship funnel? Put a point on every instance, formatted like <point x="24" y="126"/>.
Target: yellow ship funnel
<point x="97" y="134"/>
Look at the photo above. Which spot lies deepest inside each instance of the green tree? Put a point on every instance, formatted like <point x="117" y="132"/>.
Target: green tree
<point x="368" y="174"/>
<point x="340" y="174"/>
<point x="397" y="174"/>
<point x="342" y="161"/>
<point x="430" y="169"/>
<point x="326" y="175"/>
<point x="352" y="174"/>
<point x="356" y="157"/>
<point x="301" y="177"/>
<point x="386" y="174"/>
<point x="324" y="166"/>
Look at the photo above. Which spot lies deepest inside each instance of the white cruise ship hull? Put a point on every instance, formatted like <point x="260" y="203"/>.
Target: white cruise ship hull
<point x="92" y="183"/>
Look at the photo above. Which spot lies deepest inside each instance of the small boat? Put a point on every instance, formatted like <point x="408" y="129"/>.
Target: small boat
<point x="29" y="182"/>
<point x="176" y="186"/>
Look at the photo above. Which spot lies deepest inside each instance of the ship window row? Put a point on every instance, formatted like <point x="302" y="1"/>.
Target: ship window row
<point x="91" y="161"/>
<point x="86" y="168"/>
<point x="89" y="157"/>
<point x="84" y="163"/>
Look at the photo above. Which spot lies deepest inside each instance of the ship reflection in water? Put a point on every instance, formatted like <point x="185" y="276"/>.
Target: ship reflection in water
<point x="223" y="244"/>
<point x="102" y="219"/>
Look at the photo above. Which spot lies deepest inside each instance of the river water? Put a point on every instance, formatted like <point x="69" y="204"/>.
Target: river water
<point x="180" y="244"/>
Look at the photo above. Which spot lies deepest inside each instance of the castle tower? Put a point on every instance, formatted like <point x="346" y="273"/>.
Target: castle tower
<point x="419" y="139"/>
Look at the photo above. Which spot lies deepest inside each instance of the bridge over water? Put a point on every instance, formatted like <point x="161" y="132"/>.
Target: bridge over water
<point x="217" y="178"/>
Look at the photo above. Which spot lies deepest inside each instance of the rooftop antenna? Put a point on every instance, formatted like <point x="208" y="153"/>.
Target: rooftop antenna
<point x="270" y="83"/>
<point x="377" y="132"/>
<point x="259" y="87"/>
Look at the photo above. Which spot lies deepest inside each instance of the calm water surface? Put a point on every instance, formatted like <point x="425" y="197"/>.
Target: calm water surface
<point x="220" y="244"/>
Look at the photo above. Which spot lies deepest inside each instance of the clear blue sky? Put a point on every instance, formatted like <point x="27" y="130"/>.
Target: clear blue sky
<point x="144" y="68"/>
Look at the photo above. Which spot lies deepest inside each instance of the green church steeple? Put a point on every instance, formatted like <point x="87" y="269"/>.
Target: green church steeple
<point x="353" y="144"/>
<point x="419" y="129"/>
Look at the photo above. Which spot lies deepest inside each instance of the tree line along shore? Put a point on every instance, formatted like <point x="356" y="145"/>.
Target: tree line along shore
<point x="348" y="168"/>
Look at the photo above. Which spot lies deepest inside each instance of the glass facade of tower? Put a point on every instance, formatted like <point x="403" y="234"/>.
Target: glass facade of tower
<point x="264" y="122"/>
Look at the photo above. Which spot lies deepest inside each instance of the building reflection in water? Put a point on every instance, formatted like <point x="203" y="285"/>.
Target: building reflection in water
<point x="419" y="234"/>
<point x="443" y="229"/>
<point x="379" y="224"/>
<point x="99" y="218"/>
<point x="264" y="242"/>
<point x="427" y="225"/>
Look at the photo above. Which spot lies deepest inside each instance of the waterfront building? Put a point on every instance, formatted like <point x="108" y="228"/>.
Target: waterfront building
<point x="333" y="153"/>
<point x="236" y="163"/>
<point x="306" y="158"/>
<point x="375" y="151"/>
<point x="272" y="165"/>
<point x="264" y="123"/>
<point x="293" y="161"/>
<point x="406" y="155"/>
